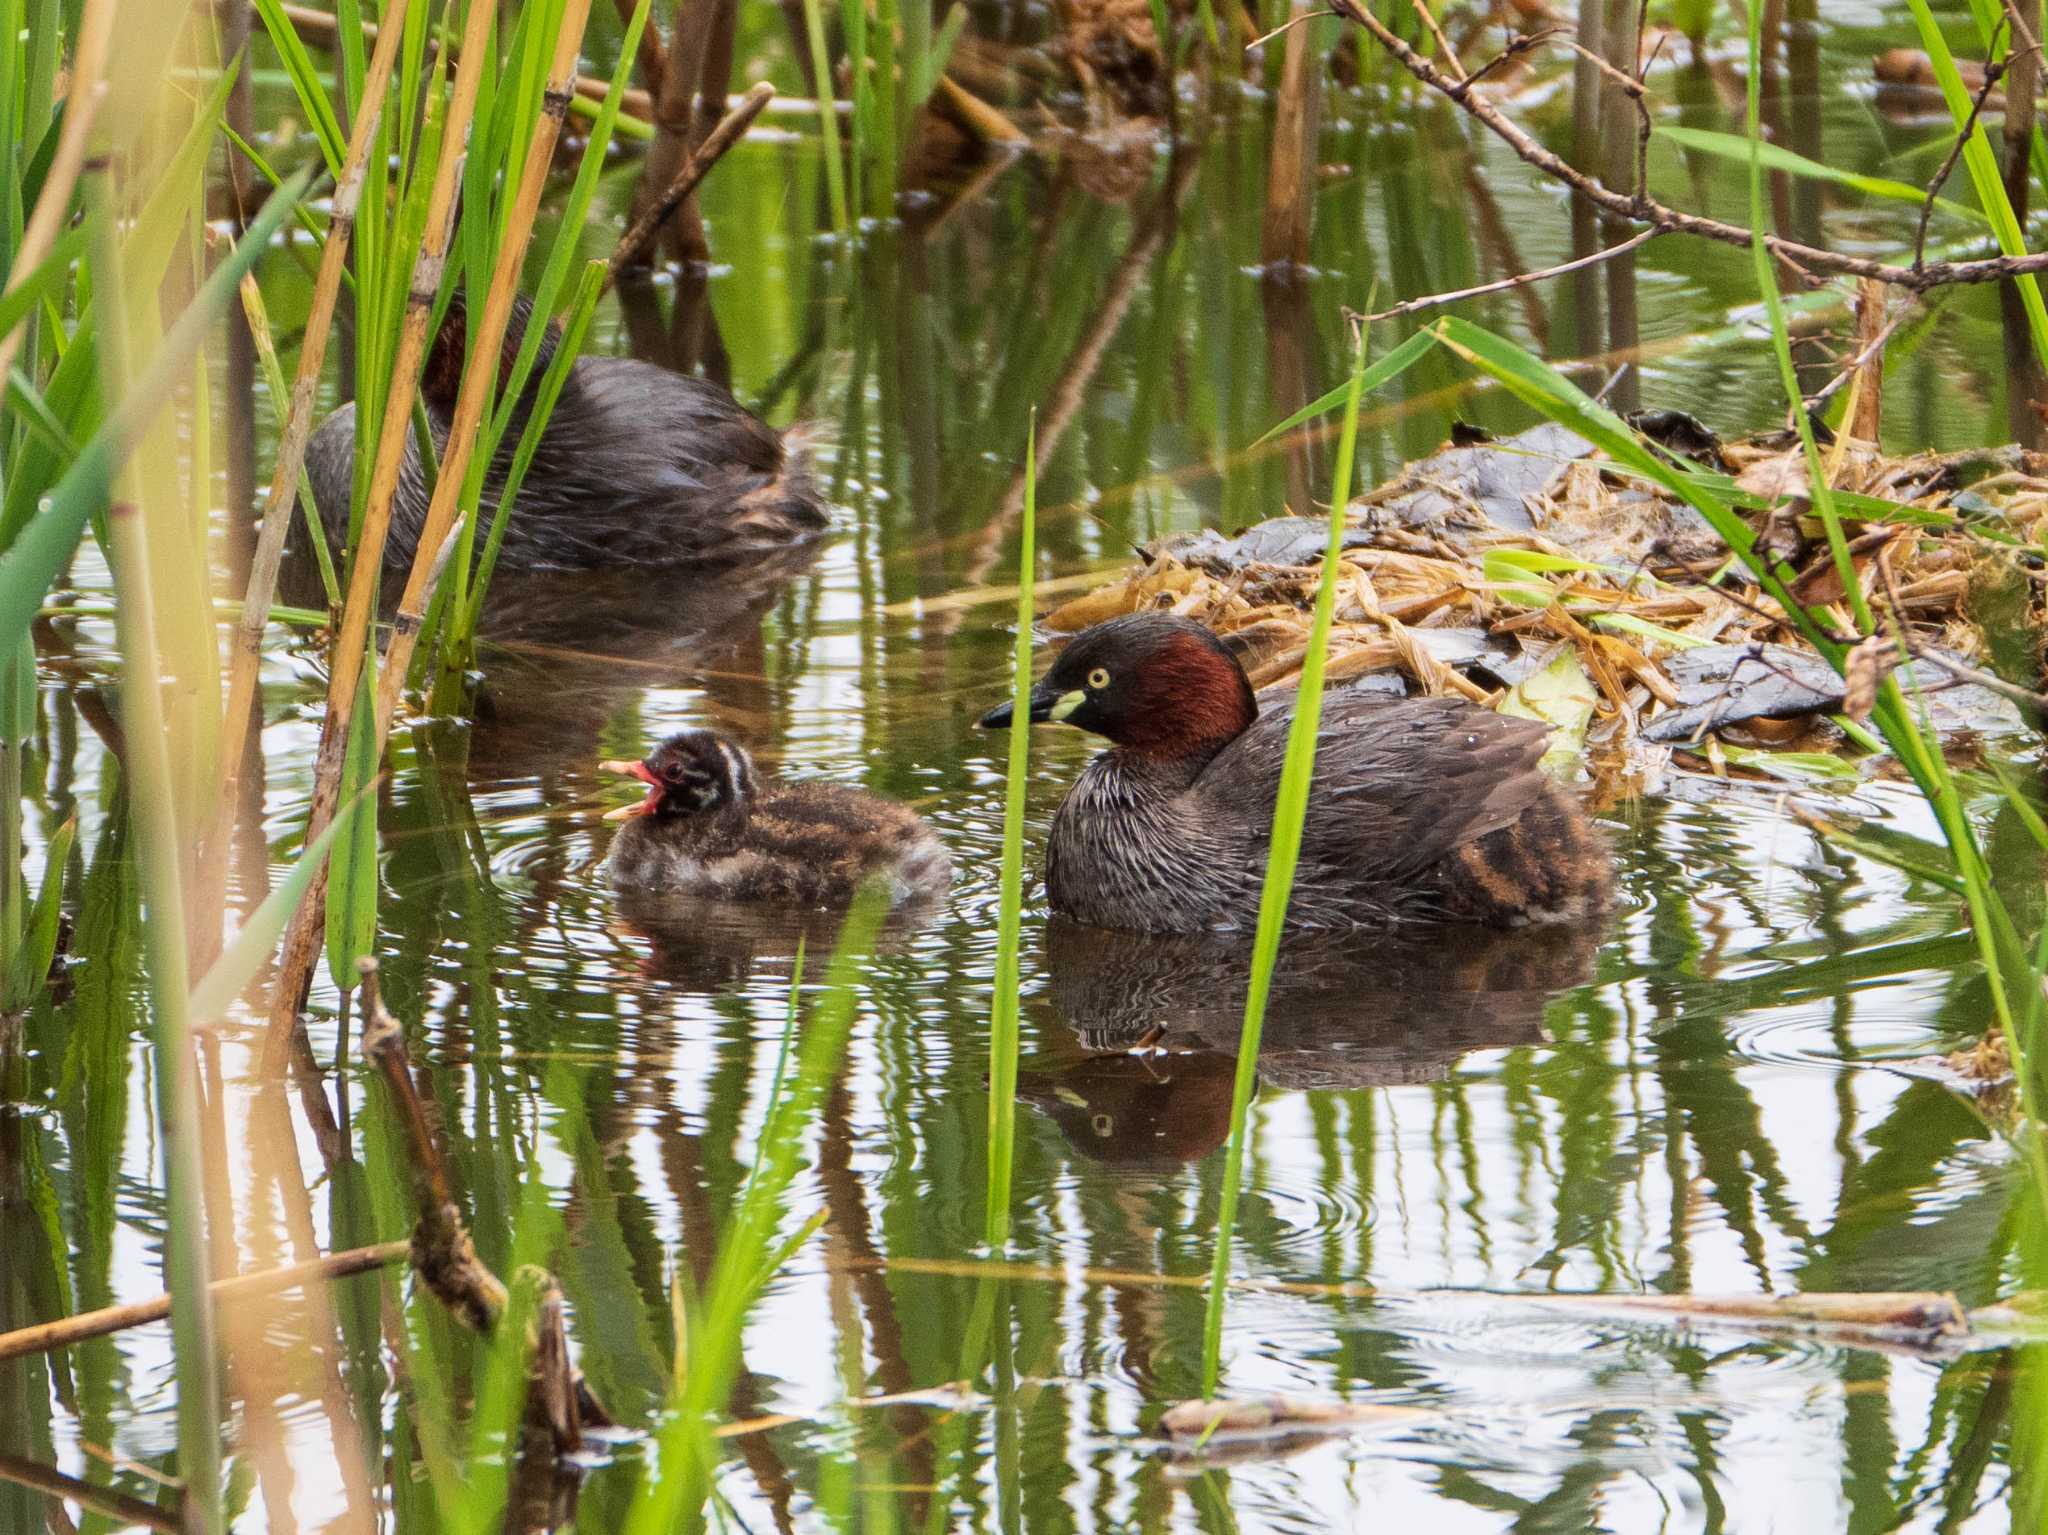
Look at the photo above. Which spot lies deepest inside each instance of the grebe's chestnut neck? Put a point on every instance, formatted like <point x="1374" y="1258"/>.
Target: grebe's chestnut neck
<point x="1152" y="683"/>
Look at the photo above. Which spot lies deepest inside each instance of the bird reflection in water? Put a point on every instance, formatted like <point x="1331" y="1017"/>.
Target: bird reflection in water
<point x="1143" y="1078"/>
<point x="705" y="945"/>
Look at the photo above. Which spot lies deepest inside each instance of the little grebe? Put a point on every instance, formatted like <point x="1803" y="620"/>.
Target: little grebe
<point x="637" y="467"/>
<point x="1421" y="809"/>
<point x="710" y="826"/>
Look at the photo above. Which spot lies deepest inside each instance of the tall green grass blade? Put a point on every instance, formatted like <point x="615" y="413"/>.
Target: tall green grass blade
<point x="1982" y="165"/>
<point x="1388" y="367"/>
<point x="1781" y="346"/>
<point x="47" y="280"/>
<point x="31" y="562"/>
<point x="38" y="421"/>
<point x="1735" y="147"/>
<point x="247" y="952"/>
<point x="684" y="1450"/>
<point x="352" y="889"/>
<point x="30" y="966"/>
<point x="306" y="82"/>
<point x="575" y="212"/>
<point x="828" y="117"/>
<point x="587" y="294"/>
<point x="1003" y="1017"/>
<point x="1290" y="810"/>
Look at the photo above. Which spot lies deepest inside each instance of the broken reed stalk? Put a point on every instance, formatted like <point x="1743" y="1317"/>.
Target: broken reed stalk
<point x="633" y="244"/>
<point x="441" y="1249"/>
<point x="1641" y="208"/>
<point x="351" y="646"/>
<point x="53" y="203"/>
<point x="1871" y="329"/>
<point x="443" y="1254"/>
<point x="125" y="1511"/>
<point x="298" y="422"/>
<point x="1290" y="174"/>
<point x="2022" y="87"/>
<point x="1908" y="1316"/>
<point x="66" y="1331"/>
<point x="480" y="372"/>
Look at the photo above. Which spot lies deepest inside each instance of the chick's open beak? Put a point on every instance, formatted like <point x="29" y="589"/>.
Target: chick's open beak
<point x="641" y="771"/>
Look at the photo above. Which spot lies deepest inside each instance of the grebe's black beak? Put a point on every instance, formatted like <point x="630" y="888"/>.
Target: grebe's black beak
<point x="1048" y="703"/>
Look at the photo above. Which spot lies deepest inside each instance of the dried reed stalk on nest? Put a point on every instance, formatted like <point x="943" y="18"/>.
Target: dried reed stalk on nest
<point x="480" y="373"/>
<point x="351" y="646"/>
<point x="1413" y="580"/>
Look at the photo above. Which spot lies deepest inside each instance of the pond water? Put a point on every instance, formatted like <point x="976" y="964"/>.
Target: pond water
<point x="1715" y="1093"/>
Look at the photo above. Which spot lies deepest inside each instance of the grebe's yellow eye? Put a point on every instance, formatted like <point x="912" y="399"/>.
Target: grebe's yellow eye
<point x="1099" y="678"/>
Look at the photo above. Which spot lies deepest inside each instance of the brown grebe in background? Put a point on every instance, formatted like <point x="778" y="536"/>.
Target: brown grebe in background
<point x="1421" y="809"/>
<point x="637" y="467"/>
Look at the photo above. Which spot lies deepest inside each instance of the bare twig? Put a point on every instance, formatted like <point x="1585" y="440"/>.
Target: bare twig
<point x="702" y="159"/>
<point x="1285" y="27"/>
<point x="1519" y="44"/>
<point x="1994" y="70"/>
<point x="1644" y="127"/>
<point x="443" y="1254"/>
<point x="2028" y="40"/>
<point x="1834" y="385"/>
<point x="1428" y="19"/>
<point x="1628" y="84"/>
<point x="1644" y="209"/>
<point x="128" y="1512"/>
<point x="1522" y="280"/>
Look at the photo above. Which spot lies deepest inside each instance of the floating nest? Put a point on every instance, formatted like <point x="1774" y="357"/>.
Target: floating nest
<point x="1526" y="575"/>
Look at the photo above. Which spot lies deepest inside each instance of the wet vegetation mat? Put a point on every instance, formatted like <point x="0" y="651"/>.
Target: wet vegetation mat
<point x="1533" y="575"/>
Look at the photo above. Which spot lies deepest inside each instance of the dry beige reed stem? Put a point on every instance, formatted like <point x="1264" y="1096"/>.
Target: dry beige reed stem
<point x="302" y="937"/>
<point x="481" y="371"/>
<point x="66" y="1331"/>
<point x="298" y="424"/>
<point x="88" y="89"/>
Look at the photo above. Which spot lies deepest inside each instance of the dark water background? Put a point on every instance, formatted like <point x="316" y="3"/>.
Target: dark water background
<point x="1712" y="1095"/>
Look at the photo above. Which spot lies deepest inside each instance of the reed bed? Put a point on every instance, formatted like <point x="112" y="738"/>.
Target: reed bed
<point x="438" y="180"/>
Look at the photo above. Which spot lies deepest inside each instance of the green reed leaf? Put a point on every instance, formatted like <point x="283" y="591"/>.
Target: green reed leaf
<point x="1004" y="1014"/>
<point x="1733" y="146"/>
<point x="31" y="969"/>
<point x="307" y="84"/>
<point x="252" y="946"/>
<point x="1388" y="367"/>
<point x="48" y="537"/>
<point x="1290" y="811"/>
<point x="352" y="889"/>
